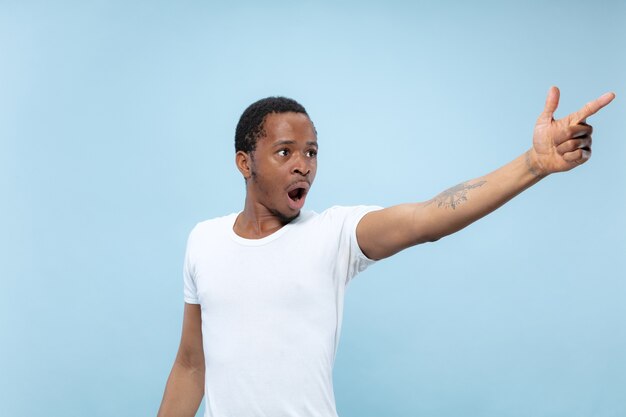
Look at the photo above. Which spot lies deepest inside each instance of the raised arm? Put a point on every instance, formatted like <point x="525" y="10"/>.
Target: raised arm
<point x="558" y="145"/>
<point x="185" y="385"/>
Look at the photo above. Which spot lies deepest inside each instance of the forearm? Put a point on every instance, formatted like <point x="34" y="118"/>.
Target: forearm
<point x="183" y="392"/>
<point x="558" y="146"/>
<point x="461" y="205"/>
<point x="385" y="232"/>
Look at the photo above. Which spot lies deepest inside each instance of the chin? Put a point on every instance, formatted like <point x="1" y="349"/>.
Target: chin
<point x="285" y="218"/>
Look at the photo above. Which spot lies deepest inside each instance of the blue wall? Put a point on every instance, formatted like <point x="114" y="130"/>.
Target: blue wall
<point x="116" y="128"/>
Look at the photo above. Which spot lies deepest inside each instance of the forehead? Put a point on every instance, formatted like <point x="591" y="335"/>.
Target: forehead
<point x="288" y="126"/>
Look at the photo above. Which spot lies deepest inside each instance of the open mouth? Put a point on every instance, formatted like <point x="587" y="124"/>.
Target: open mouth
<point x="296" y="194"/>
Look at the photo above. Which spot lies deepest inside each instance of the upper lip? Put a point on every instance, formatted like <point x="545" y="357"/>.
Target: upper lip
<point x="299" y="184"/>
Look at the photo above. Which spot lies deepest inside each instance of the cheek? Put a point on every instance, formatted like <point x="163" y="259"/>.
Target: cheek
<point x="313" y="170"/>
<point x="267" y="184"/>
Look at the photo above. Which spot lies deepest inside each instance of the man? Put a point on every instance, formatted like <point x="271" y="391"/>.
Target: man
<point x="264" y="287"/>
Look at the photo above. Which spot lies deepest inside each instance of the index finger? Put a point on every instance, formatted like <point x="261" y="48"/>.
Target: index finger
<point x="591" y="108"/>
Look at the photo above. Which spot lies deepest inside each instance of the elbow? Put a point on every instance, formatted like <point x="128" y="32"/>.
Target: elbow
<point x="195" y="370"/>
<point x="433" y="237"/>
<point x="193" y="361"/>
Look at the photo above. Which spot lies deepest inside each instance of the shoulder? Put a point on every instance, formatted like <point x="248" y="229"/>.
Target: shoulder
<point x="212" y="227"/>
<point x="343" y="213"/>
<point x="336" y="217"/>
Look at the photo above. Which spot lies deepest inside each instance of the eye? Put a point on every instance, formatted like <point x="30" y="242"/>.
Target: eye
<point x="311" y="153"/>
<point x="283" y="152"/>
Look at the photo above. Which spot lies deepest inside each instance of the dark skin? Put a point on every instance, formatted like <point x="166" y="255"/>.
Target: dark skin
<point x="281" y="169"/>
<point x="283" y="163"/>
<point x="558" y="145"/>
<point x="287" y="154"/>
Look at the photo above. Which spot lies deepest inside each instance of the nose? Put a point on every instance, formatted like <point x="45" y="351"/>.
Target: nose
<point x="301" y="166"/>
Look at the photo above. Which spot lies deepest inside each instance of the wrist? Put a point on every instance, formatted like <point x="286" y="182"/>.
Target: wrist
<point x="534" y="165"/>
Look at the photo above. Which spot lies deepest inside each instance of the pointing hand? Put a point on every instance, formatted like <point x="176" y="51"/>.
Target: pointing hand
<point x="560" y="145"/>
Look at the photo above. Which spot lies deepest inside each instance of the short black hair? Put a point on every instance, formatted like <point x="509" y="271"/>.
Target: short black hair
<point x="250" y="126"/>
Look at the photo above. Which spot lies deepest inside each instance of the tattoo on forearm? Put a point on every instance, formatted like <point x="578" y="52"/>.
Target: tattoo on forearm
<point x="453" y="197"/>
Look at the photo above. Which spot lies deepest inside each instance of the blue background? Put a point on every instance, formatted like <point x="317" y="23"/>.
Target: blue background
<point x="116" y="136"/>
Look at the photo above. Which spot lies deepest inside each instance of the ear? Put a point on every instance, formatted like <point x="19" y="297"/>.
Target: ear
<point x="243" y="160"/>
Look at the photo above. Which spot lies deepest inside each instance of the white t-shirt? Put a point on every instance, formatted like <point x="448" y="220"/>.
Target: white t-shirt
<point x="272" y="311"/>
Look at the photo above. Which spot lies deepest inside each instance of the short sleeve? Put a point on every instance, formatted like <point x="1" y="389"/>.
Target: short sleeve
<point x="357" y="260"/>
<point x="189" y="279"/>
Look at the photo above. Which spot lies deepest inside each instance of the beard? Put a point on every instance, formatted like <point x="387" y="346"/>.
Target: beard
<point x="282" y="217"/>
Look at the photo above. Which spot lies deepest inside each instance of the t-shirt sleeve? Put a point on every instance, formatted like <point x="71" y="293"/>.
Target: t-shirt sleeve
<point x="189" y="279"/>
<point x="357" y="260"/>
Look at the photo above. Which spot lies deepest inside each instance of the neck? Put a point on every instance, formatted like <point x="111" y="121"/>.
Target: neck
<point x="257" y="221"/>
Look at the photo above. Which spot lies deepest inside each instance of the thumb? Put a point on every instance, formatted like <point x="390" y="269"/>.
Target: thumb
<point x="552" y="102"/>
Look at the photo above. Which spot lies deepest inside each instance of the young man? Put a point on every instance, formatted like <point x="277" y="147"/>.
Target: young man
<point x="264" y="287"/>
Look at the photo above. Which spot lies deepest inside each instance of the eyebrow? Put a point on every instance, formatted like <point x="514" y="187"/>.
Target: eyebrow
<point x="291" y="142"/>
